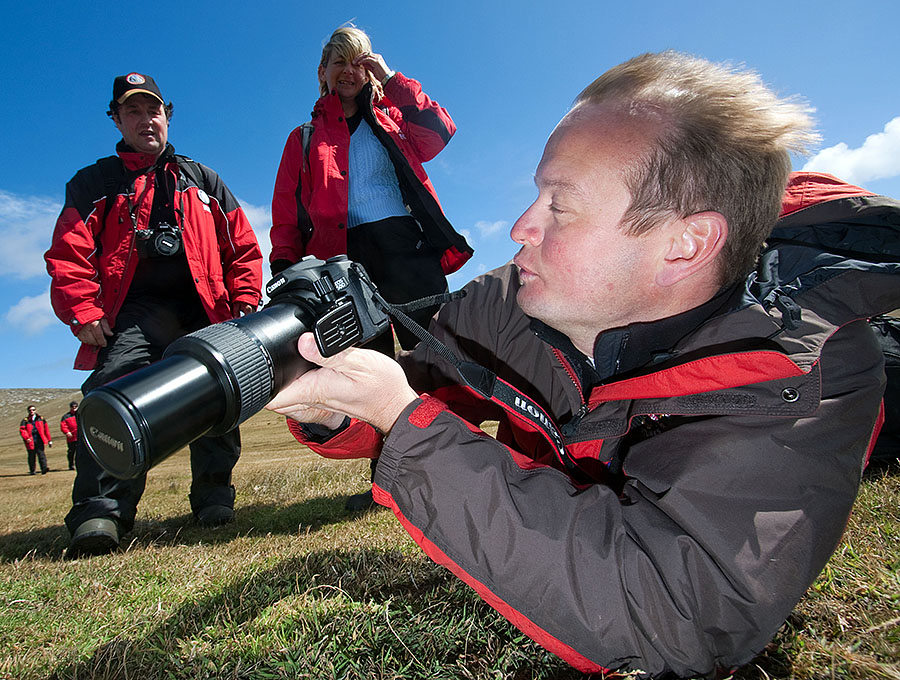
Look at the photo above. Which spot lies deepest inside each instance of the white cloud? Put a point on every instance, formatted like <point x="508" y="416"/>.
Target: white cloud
<point x="26" y="227"/>
<point x="260" y="218"/>
<point x="488" y="229"/>
<point x="32" y="314"/>
<point x="877" y="158"/>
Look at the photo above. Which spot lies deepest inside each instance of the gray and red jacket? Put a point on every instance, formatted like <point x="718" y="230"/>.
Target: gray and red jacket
<point x="68" y="424"/>
<point x="310" y="201"/>
<point x="92" y="265"/>
<point x="705" y="489"/>
<point x="29" y="429"/>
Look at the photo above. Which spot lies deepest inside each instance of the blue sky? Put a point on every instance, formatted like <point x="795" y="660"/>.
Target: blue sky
<point x="242" y="75"/>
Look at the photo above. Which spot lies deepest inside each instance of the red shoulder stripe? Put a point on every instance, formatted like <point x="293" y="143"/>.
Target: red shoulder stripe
<point x="710" y="373"/>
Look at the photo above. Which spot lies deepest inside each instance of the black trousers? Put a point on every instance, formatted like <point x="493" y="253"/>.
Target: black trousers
<point x="37" y="453"/>
<point x="403" y="266"/>
<point x="143" y="330"/>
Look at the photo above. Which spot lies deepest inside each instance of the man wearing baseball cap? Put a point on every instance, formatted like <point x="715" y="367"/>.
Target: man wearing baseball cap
<point x="150" y="245"/>
<point x="135" y="83"/>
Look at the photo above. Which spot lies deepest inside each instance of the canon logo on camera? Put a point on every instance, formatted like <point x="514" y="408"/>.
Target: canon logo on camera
<point x="107" y="439"/>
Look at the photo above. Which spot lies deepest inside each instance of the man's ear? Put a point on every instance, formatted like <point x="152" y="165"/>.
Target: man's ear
<point x="694" y="243"/>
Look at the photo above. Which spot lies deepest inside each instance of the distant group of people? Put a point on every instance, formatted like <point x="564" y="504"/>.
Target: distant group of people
<point x="36" y="434"/>
<point x="686" y="397"/>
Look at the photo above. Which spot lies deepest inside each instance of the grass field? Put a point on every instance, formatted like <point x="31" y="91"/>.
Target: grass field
<point x="297" y="587"/>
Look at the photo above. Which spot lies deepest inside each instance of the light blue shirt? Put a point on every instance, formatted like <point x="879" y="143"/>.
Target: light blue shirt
<point x="374" y="190"/>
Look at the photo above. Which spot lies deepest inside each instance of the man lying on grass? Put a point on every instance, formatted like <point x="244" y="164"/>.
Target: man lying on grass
<point x="684" y="409"/>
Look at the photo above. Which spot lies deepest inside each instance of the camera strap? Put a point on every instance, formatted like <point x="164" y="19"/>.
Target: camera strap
<point x="482" y="380"/>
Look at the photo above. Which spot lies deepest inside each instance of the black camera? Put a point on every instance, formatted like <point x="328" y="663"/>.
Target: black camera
<point x="163" y="240"/>
<point x="210" y="381"/>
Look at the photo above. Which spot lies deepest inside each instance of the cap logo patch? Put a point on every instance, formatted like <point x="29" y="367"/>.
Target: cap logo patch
<point x="135" y="79"/>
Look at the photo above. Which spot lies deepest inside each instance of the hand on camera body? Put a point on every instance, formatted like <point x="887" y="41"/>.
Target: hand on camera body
<point x="360" y="383"/>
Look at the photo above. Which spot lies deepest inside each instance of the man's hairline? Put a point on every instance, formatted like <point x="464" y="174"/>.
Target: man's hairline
<point x="166" y="108"/>
<point x="648" y="119"/>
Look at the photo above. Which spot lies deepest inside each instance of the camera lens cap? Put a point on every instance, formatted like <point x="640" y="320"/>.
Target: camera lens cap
<point x="167" y="243"/>
<point x="112" y="434"/>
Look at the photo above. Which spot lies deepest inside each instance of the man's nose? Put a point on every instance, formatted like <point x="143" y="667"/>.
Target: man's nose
<point x="527" y="229"/>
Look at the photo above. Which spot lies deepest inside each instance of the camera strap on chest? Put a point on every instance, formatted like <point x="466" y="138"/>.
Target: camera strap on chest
<point x="115" y="179"/>
<point x="482" y="380"/>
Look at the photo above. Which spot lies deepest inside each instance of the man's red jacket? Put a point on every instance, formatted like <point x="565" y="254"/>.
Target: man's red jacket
<point x="28" y="428"/>
<point x="92" y="264"/>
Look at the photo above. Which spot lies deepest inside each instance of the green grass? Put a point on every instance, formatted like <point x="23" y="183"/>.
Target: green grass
<point x="297" y="587"/>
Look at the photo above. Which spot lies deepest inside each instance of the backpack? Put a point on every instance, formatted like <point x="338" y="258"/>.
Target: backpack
<point x="887" y="447"/>
<point x="817" y="198"/>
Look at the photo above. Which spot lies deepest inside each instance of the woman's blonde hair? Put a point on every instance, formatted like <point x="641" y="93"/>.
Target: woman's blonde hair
<point x="348" y="42"/>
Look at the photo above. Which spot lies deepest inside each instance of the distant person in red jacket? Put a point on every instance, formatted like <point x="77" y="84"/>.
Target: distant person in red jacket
<point x="36" y="434"/>
<point x="351" y="182"/>
<point x="69" y="427"/>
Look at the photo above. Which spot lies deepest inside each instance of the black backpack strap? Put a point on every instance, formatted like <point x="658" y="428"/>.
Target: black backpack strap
<point x="304" y="223"/>
<point x="193" y="171"/>
<point x="196" y="174"/>
<point x="103" y="179"/>
<point x="113" y="178"/>
<point x="306" y="133"/>
<point x="112" y="174"/>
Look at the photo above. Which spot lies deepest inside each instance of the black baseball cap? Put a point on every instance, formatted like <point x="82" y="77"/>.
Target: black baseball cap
<point x="133" y="83"/>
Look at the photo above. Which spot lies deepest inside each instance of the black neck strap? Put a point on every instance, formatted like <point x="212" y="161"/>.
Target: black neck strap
<point x="480" y="379"/>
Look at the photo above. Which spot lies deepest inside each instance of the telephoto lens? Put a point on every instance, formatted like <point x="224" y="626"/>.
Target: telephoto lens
<point x="210" y="381"/>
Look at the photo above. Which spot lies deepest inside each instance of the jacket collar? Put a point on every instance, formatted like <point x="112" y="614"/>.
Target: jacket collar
<point x="135" y="160"/>
<point x="620" y="351"/>
<point x="329" y="105"/>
